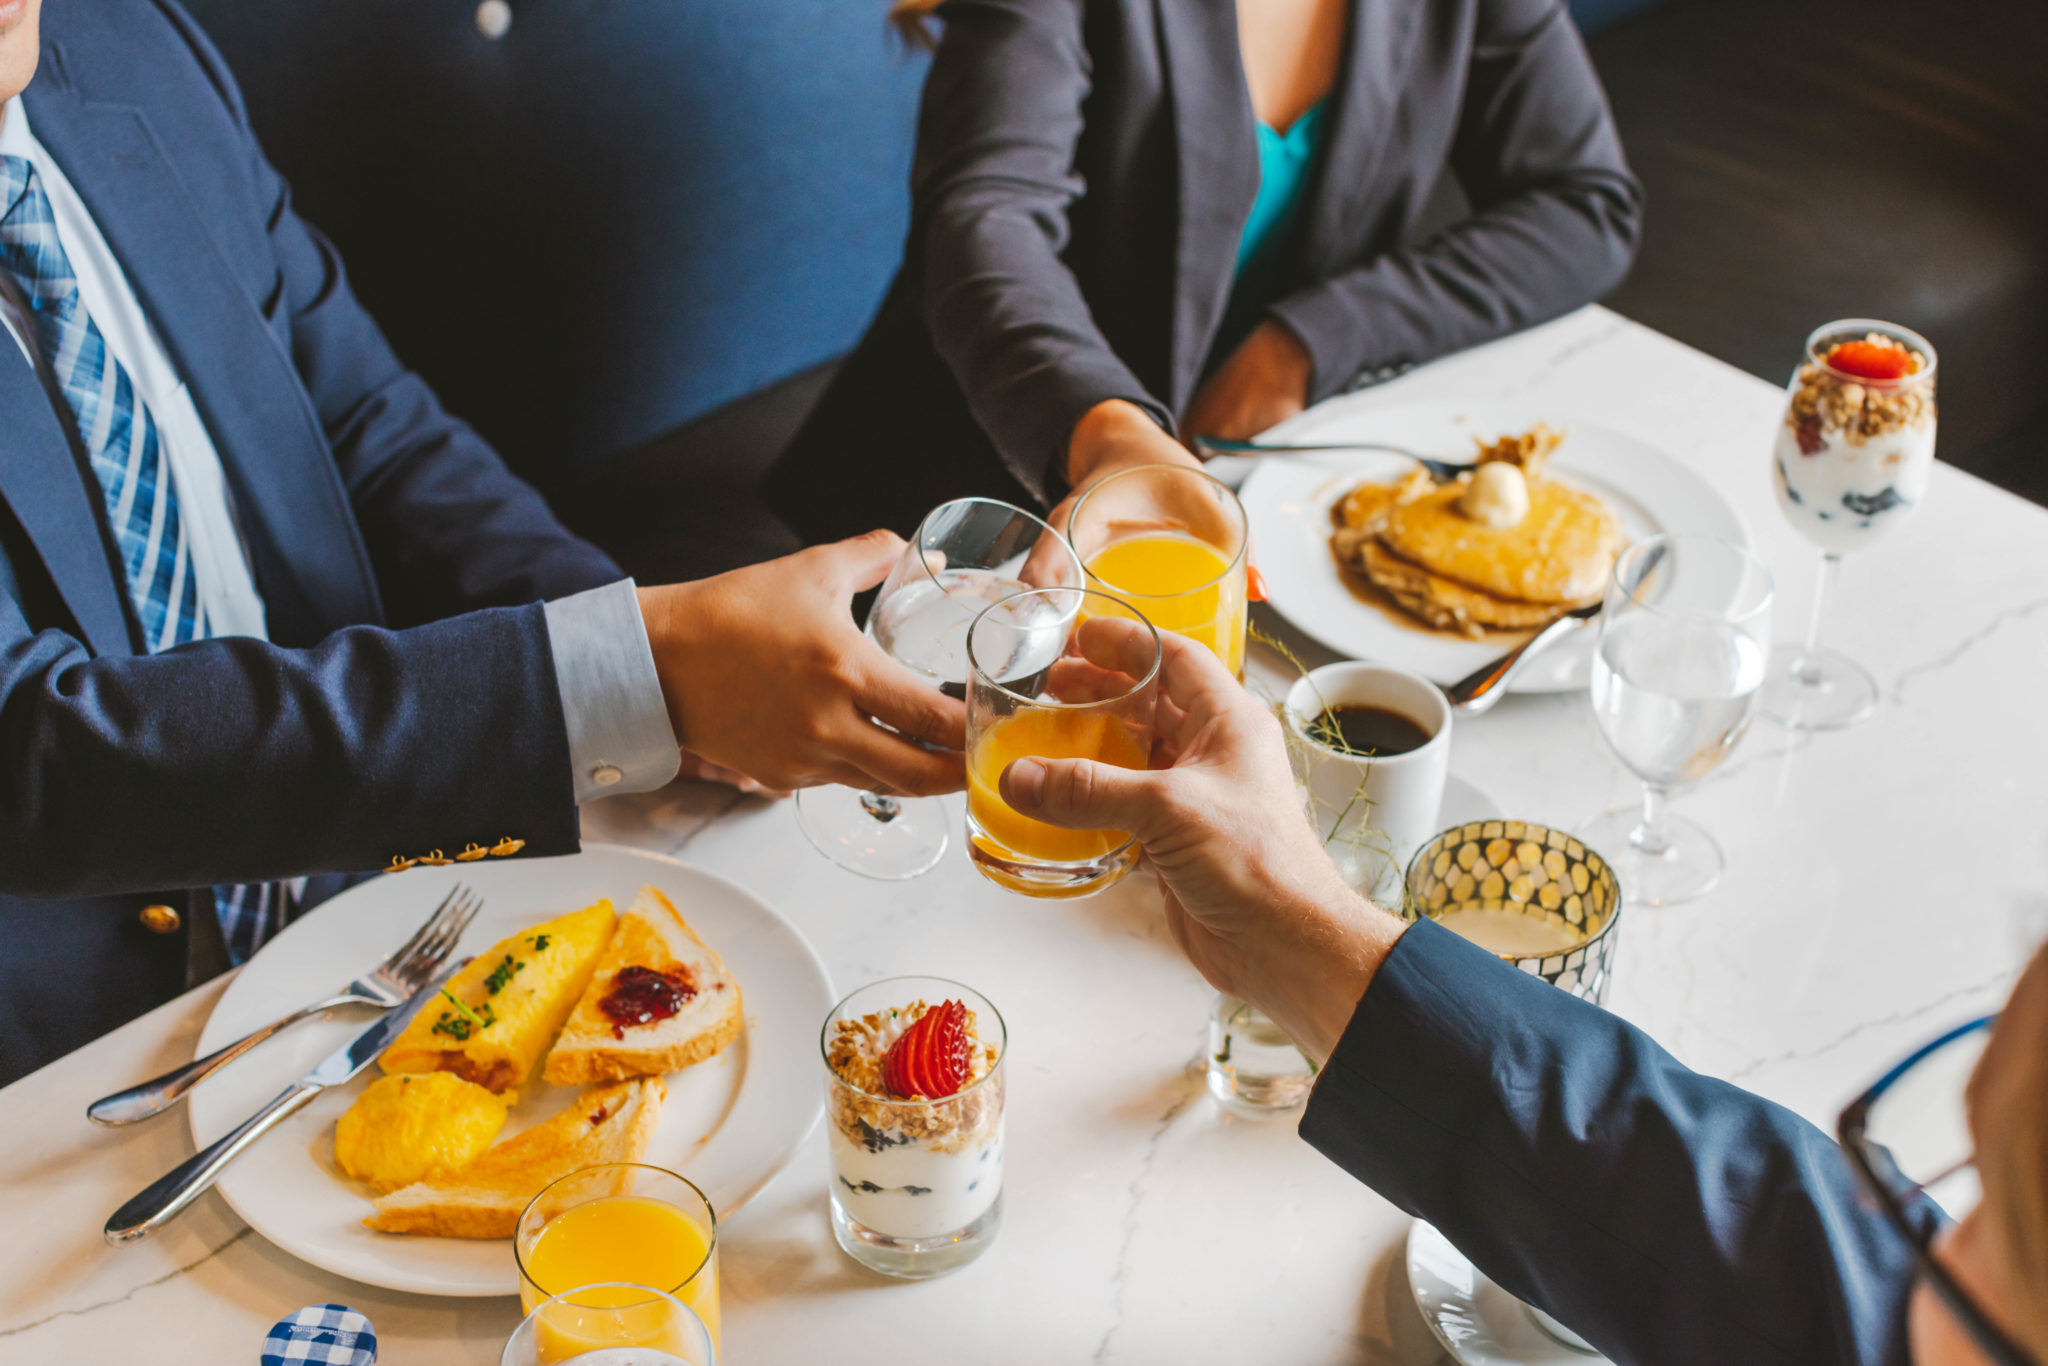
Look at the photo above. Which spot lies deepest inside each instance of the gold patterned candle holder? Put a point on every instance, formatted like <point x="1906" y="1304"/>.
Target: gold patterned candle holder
<point x="1535" y="896"/>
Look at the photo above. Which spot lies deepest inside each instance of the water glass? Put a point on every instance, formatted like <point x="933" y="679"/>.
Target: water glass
<point x="965" y="555"/>
<point x="1058" y="673"/>
<point x="1684" y="635"/>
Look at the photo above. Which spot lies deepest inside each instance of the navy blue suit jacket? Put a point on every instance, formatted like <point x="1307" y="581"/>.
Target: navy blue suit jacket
<point x="407" y="698"/>
<point x="1668" y="1218"/>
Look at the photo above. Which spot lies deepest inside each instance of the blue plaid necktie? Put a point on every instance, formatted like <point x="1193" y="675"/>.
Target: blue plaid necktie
<point x="126" y="453"/>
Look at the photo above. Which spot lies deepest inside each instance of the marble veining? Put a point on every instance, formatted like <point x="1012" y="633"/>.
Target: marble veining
<point x="1883" y="882"/>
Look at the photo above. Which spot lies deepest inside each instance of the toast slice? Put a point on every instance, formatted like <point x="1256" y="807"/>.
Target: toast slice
<point x="514" y="998"/>
<point x="597" y="1046"/>
<point x="612" y="1123"/>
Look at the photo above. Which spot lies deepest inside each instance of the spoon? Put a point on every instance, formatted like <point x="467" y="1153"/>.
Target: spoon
<point x="1479" y="690"/>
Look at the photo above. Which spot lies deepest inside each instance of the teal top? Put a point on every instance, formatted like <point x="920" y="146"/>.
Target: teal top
<point x="1285" y="160"/>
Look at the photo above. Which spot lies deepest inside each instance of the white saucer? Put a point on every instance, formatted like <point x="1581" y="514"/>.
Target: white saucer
<point x="1477" y="1322"/>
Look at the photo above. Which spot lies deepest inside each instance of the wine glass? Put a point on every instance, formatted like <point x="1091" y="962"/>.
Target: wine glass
<point x="1683" y="639"/>
<point x="966" y="554"/>
<point x="1852" y="458"/>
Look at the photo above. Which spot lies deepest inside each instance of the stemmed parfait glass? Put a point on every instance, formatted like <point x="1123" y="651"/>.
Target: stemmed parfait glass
<point x="1851" y="460"/>
<point x="1683" y="638"/>
<point x="965" y="555"/>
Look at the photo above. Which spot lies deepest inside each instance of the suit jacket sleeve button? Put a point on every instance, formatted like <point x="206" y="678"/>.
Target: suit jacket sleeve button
<point x="161" y="919"/>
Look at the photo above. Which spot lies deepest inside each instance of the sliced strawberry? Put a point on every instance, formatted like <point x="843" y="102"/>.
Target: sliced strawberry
<point x="1871" y="360"/>
<point x="932" y="1058"/>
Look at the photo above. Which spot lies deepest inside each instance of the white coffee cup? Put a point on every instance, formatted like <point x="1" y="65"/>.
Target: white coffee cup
<point x="1373" y="812"/>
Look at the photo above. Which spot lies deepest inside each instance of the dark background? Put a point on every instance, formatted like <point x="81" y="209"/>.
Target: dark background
<point x="628" y="238"/>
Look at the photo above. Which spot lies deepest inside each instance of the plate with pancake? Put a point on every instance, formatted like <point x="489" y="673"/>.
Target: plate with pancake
<point x="1379" y="562"/>
<point x="718" y="1084"/>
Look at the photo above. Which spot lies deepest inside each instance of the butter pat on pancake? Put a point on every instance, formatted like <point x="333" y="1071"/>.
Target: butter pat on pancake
<point x="1561" y="553"/>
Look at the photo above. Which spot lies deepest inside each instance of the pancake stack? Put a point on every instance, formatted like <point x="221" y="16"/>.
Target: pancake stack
<point x="1425" y="546"/>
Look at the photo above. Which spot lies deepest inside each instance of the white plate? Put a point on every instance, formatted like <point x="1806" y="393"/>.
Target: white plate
<point x="1478" y="1323"/>
<point x="1287" y="500"/>
<point x="729" y="1125"/>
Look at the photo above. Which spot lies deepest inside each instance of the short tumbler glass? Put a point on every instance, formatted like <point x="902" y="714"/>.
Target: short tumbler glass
<point x="612" y="1324"/>
<point x="917" y="1185"/>
<point x="623" y="1222"/>
<point x="1057" y="673"/>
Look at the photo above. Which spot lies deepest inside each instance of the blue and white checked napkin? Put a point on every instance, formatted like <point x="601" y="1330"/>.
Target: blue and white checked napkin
<point x="324" y="1335"/>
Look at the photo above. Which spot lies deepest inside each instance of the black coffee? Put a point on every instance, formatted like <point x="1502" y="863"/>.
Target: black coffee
<point x="1365" y="729"/>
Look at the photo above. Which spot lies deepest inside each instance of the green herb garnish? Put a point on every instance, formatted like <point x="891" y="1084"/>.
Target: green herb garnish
<point x="540" y="943"/>
<point x="501" y="975"/>
<point x="466" y="1022"/>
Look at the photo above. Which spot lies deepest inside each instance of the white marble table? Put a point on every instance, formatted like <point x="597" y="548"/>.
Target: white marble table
<point x="1883" y="881"/>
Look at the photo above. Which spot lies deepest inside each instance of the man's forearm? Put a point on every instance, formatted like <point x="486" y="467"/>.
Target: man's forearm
<point x="1310" y="974"/>
<point x="620" y="737"/>
<point x="243" y="761"/>
<point x="1665" y="1216"/>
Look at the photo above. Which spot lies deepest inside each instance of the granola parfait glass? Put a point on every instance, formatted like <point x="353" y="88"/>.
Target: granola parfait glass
<point x="1851" y="459"/>
<point x="917" y="1177"/>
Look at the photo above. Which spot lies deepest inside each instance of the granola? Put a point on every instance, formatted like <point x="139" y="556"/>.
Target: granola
<point x="866" y="1113"/>
<point x="1826" y="401"/>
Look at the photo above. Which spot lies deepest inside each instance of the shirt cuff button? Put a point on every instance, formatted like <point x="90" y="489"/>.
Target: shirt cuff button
<point x="604" y="775"/>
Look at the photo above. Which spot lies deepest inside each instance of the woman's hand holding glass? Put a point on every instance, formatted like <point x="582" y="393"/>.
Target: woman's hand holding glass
<point x="1249" y="894"/>
<point x="1114" y="435"/>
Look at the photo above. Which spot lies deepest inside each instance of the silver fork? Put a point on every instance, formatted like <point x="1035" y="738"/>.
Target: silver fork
<point x="1442" y="470"/>
<point x="388" y="984"/>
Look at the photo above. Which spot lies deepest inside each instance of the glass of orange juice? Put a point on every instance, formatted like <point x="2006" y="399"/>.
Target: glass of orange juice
<point x="611" y="1324"/>
<point x="1170" y="541"/>
<point x="619" y="1223"/>
<point x="1055" y="673"/>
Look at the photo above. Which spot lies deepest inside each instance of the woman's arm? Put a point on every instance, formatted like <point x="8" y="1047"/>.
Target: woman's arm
<point x="1554" y="221"/>
<point x="994" y="180"/>
<point x="1672" y="1219"/>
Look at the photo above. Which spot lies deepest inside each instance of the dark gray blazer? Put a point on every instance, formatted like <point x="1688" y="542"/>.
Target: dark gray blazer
<point x="1083" y="175"/>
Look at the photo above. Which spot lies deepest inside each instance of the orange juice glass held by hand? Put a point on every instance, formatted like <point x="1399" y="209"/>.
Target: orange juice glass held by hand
<point x="616" y="1223"/>
<point x="1171" y="542"/>
<point x="1058" y="673"/>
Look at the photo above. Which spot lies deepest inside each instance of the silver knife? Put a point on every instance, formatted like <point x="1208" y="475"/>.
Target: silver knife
<point x="166" y="1197"/>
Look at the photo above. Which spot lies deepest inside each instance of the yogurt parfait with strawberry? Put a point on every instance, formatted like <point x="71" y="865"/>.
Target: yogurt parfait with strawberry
<point x="1857" y="444"/>
<point x="914" y="1098"/>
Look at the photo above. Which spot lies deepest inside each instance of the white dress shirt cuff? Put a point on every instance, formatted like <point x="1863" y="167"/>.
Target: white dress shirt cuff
<point x="620" y="739"/>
